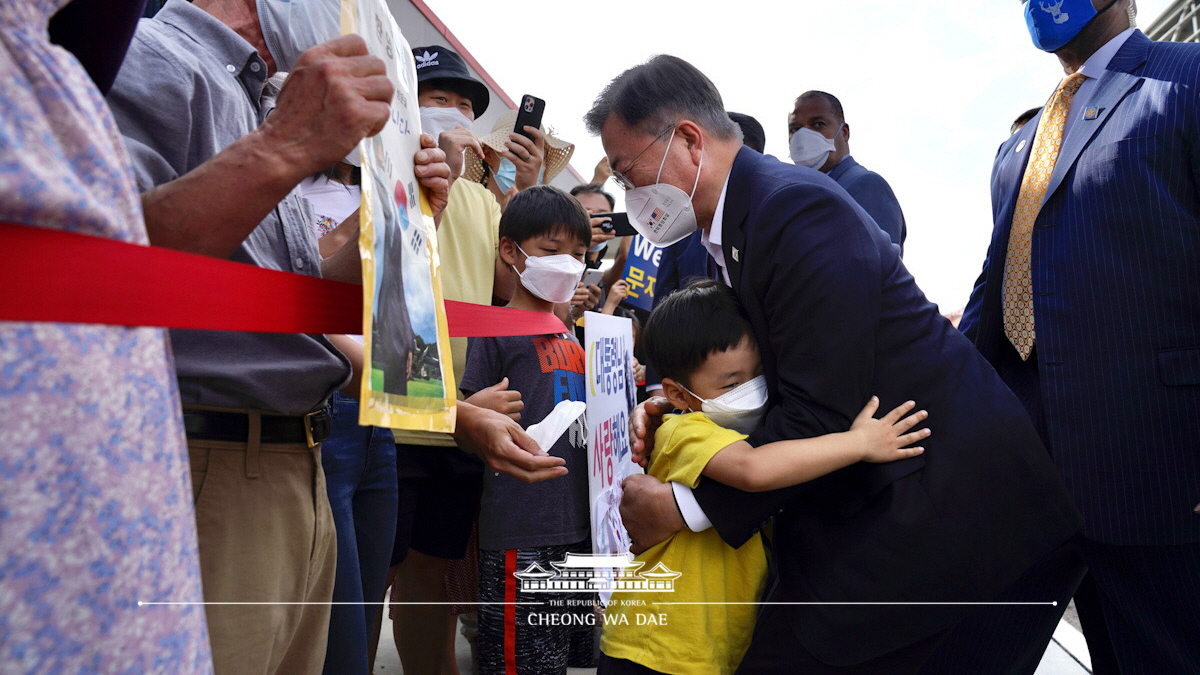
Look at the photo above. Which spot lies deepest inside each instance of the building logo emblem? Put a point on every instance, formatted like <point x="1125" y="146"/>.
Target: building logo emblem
<point x="582" y="572"/>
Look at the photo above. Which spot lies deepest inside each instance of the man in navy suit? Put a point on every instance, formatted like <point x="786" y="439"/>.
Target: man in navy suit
<point x="826" y="148"/>
<point x="837" y="318"/>
<point x="1113" y="381"/>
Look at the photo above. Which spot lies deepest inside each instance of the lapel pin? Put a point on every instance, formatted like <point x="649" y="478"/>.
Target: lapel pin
<point x="736" y="257"/>
<point x="1020" y="146"/>
<point x="1091" y="113"/>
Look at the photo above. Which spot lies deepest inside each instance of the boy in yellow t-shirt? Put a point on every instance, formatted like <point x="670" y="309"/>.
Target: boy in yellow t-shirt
<point x="700" y="342"/>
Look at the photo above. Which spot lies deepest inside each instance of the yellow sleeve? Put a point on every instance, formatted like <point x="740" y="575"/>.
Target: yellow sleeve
<point x="684" y="445"/>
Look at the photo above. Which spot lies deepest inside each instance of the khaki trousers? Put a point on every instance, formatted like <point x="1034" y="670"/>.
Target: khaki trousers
<point x="266" y="536"/>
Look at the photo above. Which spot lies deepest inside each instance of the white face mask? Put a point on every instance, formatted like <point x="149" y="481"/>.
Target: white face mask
<point x="435" y="120"/>
<point x="741" y="409"/>
<point x="811" y="148"/>
<point x="552" y="278"/>
<point x="291" y="27"/>
<point x="662" y="213"/>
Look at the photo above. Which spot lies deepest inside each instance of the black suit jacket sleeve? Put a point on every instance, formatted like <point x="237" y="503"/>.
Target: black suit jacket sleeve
<point x="810" y="279"/>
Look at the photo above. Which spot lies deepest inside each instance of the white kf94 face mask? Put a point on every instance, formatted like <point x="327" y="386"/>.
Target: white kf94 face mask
<point x="552" y="278"/>
<point x="741" y="409"/>
<point x="435" y="120"/>
<point x="662" y="213"/>
<point x="808" y="147"/>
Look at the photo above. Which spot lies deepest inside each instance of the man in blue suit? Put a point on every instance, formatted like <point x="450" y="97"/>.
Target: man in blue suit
<point x="819" y="138"/>
<point x="1113" y="380"/>
<point x="837" y="318"/>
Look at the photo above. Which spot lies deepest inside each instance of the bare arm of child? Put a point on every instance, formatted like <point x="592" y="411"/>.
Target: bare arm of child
<point x="785" y="463"/>
<point x="498" y="397"/>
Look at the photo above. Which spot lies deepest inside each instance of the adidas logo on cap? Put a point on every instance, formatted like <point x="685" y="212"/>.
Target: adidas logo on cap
<point x="426" y="59"/>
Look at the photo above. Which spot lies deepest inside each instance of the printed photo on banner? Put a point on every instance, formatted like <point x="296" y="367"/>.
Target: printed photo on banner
<point x="641" y="271"/>
<point x="608" y="341"/>
<point x="408" y="381"/>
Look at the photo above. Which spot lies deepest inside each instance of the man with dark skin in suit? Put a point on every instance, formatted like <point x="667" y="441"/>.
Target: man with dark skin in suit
<point x="1111" y="254"/>
<point x="822" y="114"/>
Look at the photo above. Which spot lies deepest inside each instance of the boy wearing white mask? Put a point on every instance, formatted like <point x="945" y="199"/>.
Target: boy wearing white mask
<point x="700" y="341"/>
<point x="544" y="235"/>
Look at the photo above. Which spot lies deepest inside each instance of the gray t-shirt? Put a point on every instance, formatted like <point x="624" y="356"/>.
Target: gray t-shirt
<point x="188" y="88"/>
<point x="546" y="369"/>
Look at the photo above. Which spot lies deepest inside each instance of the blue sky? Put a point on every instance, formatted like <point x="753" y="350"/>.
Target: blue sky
<point x="929" y="88"/>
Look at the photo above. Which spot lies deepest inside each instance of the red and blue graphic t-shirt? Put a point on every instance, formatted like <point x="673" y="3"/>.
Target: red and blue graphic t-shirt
<point x="546" y="369"/>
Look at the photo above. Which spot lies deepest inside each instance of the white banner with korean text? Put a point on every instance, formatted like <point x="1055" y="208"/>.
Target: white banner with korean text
<point x="611" y="395"/>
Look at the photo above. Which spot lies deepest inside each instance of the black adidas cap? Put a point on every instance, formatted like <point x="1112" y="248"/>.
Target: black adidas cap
<point x="438" y="63"/>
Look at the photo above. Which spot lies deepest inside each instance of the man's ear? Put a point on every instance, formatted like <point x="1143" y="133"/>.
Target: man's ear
<point x="508" y="251"/>
<point x="675" y="394"/>
<point x="845" y="132"/>
<point x="690" y="132"/>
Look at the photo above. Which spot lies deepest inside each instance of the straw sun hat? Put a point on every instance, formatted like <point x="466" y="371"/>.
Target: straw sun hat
<point x="558" y="151"/>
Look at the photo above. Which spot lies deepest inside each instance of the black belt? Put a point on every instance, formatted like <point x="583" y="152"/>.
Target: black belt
<point x="215" y="425"/>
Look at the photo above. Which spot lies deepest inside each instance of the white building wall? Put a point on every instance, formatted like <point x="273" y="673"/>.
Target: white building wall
<point x="415" y="23"/>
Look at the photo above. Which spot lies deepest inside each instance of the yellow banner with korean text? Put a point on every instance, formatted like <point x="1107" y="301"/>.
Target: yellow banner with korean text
<point x="408" y="379"/>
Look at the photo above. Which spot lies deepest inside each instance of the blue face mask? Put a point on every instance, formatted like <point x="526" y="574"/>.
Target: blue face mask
<point x="506" y="176"/>
<point x="1054" y="23"/>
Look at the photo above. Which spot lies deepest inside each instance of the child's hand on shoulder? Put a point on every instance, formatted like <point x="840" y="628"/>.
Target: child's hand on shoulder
<point x="886" y="439"/>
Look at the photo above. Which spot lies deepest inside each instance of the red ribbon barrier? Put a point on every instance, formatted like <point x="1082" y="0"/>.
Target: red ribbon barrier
<point x="63" y="277"/>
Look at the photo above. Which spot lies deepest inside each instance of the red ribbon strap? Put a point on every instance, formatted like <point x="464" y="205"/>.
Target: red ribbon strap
<point x="63" y="277"/>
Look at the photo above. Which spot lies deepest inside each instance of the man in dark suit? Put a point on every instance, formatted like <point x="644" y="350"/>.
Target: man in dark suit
<point x="686" y="261"/>
<point x="1112" y="375"/>
<point x="826" y="148"/>
<point x="837" y="318"/>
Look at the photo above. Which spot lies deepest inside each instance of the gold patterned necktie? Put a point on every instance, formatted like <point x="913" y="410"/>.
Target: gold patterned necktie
<point x="1018" y="283"/>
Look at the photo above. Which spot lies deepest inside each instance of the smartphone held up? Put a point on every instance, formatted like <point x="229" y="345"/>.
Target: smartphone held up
<point x="529" y="113"/>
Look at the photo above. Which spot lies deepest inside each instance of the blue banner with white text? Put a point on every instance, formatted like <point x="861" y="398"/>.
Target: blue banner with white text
<point x="641" y="271"/>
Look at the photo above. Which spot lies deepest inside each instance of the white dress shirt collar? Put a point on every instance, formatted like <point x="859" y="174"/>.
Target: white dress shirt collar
<point x="712" y="238"/>
<point x="1097" y="63"/>
<point x="1093" y="68"/>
